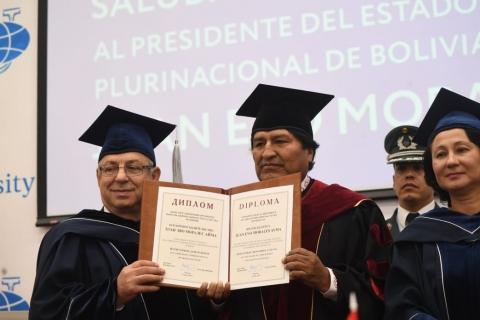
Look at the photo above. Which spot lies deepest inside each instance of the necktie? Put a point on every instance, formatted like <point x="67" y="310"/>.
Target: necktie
<point x="410" y="217"/>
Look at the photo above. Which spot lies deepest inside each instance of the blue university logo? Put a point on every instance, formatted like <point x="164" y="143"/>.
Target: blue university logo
<point x="14" y="39"/>
<point x="9" y="300"/>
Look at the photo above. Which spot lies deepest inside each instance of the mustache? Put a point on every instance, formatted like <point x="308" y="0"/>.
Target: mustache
<point x="406" y="185"/>
<point x="269" y="163"/>
<point x="122" y="186"/>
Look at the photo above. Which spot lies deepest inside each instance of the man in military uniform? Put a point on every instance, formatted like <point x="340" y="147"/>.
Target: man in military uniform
<point x="415" y="197"/>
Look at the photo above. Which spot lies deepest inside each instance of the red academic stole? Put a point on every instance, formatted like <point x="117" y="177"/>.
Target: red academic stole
<point x="320" y="204"/>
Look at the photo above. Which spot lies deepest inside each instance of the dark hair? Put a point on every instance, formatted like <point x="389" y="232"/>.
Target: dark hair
<point x="474" y="137"/>
<point x="306" y="141"/>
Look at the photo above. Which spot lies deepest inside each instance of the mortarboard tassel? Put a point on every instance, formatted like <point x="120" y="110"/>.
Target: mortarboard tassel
<point x="176" y="164"/>
<point x="353" y="304"/>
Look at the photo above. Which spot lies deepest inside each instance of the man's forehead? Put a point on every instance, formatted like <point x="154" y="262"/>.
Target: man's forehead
<point x="124" y="157"/>
<point x="272" y="134"/>
<point x="408" y="164"/>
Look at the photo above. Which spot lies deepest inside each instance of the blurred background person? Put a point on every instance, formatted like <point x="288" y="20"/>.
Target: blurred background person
<point x="414" y="195"/>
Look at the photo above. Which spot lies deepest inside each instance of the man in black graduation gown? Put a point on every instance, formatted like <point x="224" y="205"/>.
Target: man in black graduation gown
<point x="87" y="266"/>
<point x="415" y="196"/>
<point x="345" y="241"/>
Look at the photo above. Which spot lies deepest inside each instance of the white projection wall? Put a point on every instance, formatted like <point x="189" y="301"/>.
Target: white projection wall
<point x="193" y="62"/>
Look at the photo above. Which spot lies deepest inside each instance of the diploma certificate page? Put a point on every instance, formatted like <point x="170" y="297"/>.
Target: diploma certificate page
<point x="204" y="234"/>
<point x="191" y="236"/>
<point x="260" y="236"/>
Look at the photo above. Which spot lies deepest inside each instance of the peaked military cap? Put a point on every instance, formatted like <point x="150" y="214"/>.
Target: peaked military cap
<point x="400" y="146"/>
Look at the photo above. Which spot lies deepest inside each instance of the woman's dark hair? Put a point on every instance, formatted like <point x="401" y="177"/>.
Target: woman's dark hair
<point x="474" y="137"/>
<point x="305" y="140"/>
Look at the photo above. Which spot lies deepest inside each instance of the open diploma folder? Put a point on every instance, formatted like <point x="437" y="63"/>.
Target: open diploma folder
<point x="204" y="234"/>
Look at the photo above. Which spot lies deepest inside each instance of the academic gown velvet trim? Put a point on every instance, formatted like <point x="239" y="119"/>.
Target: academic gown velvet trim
<point x="392" y="222"/>
<point x="252" y="303"/>
<point x="422" y="239"/>
<point x="93" y="229"/>
<point x="326" y="202"/>
<point x="443" y="225"/>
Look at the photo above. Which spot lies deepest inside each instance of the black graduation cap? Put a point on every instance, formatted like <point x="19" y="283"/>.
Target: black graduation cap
<point x="448" y="110"/>
<point x="283" y="108"/>
<point x="119" y="131"/>
<point x="400" y="146"/>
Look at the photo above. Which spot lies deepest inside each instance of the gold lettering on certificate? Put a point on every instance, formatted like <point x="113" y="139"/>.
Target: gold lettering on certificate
<point x="186" y="229"/>
<point x="192" y="203"/>
<point x="258" y="230"/>
<point x="258" y="203"/>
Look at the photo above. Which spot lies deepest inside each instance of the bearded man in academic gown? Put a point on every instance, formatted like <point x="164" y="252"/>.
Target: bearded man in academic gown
<point x="87" y="265"/>
<point x="345" y="241"/>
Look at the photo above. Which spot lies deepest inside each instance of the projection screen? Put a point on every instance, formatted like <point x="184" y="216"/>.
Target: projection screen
<point x="193" y="63"/>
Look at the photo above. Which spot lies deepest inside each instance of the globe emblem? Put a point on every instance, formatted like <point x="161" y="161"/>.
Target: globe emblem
<point x="14" y="39"/>
<point x="10" y="301"/>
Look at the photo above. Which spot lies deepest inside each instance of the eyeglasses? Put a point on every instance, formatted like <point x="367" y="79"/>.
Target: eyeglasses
<point x="111" y="170"/>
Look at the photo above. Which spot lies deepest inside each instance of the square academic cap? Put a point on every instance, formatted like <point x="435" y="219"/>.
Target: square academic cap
<point x="283" y="108"/>
<point x="449" y="110"/>
<point x="119" y="131"/>
<point x="400" y="146"/>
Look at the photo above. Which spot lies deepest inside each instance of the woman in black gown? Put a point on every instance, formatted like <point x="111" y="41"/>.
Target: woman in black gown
<point x="435" y="272"/>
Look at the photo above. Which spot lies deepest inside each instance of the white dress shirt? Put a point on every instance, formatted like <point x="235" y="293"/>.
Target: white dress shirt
<point x="403" y="213"/>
